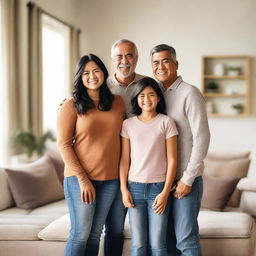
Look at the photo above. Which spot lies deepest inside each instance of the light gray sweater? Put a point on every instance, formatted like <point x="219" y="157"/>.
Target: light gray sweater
<point x="186" y="105"/>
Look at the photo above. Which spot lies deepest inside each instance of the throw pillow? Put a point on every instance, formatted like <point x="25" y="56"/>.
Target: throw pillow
<point x="35" y="184"/>
<point x="227" y="157"/>
<point x="236" y="168"/>
<point x="217" y="191"/>
<point x="55" y="156"/>
<point x="6" y="199"/>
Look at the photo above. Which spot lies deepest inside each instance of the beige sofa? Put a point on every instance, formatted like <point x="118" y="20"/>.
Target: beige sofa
<point x="43" y="230"/>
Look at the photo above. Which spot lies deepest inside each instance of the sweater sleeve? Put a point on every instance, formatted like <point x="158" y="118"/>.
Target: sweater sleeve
<point x="198" y="121"/>
<point x="66" y="125"/>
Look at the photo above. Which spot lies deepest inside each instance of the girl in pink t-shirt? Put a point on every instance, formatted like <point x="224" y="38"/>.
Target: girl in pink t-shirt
<point x="148" y="168"/>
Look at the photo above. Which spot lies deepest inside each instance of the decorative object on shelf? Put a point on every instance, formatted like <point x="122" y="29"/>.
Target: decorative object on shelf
<point x="219" y="69"/>
<point x="238" y="107"/>
<point x="30" y="143"/>
<point x="212" y="87"/>
<point x="234" y="71"/>
<point x="209" y="107"/>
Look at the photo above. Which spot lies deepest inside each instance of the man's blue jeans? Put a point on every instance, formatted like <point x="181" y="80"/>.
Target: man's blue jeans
<point x="87" y="220"/>
<point x="183" y="231"/>
<point x="114" y="226"/>
<point x="148" y="228"/>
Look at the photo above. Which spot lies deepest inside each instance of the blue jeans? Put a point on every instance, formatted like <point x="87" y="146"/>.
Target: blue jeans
<point x="148" y="229"/>
<point x="87" y="220"/>
<point x="183" y="231"/>
<point x="114" y="226"/>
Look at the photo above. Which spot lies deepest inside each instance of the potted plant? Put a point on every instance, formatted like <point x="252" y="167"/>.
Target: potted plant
<point x="234" y="71"/>
<point x="212" y="87"/>
<point x="238" y="107"/>
<point x="31" y="144"/>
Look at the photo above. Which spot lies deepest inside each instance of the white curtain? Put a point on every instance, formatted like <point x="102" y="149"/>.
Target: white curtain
<point x="9" y="69"/>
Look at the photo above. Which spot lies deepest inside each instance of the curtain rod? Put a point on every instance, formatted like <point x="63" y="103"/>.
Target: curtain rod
<point x="31" y="4"/>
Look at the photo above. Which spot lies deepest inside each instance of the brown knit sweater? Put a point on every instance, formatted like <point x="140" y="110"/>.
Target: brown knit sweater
<point x="90" y="143"/>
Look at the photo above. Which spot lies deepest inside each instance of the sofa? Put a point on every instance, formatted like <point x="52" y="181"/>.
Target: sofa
<point x="34" y="217"/>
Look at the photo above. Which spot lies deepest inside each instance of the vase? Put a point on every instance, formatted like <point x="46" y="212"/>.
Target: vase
<point x="218" y="69"/>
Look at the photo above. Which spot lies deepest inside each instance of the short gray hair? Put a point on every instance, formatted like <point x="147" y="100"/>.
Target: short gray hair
<point x="120" y="42"/>
<point x="164" y="47"/>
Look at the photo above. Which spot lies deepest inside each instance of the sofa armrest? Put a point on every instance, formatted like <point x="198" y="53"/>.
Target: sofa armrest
<point x="247" y="184"/>
<point x="248" y="198"/>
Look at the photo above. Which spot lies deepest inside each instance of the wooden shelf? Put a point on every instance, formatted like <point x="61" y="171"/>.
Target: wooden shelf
<point x="207" y="94"/>
<point x="224" y="77"/>
<point x="233" y="89"/>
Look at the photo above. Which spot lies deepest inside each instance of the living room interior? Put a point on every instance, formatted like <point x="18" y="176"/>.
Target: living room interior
<point x="204" y="34"/>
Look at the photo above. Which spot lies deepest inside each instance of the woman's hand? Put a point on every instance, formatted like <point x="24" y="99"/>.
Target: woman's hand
<point x="160" y="203"/>
<point x="88" y="193"/>
<point x="127" y="199"/>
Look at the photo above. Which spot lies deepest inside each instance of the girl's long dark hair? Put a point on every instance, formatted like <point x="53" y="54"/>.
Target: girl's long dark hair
<point x="141" y="85"/>
<point x="82" y="100"/>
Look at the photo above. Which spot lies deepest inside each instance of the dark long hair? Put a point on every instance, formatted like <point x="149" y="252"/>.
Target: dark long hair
<point x="83" y="102"/>
<point x="141" y="85"/>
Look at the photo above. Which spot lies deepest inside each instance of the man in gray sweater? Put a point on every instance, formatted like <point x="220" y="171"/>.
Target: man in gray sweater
<point x="186" y="105"/>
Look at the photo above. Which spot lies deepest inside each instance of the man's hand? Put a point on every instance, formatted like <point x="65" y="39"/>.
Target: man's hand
<point x="61" y="103"/>
<point x="182" y="190"/>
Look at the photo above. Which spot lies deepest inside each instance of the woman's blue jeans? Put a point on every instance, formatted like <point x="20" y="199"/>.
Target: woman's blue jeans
<point x="87" y="220"/>
<point x="148" y="228"/>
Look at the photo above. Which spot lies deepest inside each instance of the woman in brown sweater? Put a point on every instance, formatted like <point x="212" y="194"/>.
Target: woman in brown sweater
<point x="89" y="125"/>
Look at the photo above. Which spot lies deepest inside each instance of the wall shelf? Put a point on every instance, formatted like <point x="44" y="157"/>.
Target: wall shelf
<point x="233" y="87"/>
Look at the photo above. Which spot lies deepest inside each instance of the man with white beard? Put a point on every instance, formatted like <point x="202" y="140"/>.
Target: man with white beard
<point x="124" y="54"/>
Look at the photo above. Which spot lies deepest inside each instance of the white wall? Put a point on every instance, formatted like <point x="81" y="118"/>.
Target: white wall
<point x="194" y="28"/>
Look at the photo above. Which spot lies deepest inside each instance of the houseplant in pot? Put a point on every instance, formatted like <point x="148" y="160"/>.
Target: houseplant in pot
<point x="212" y="87"/>
<point x="30" y="145"/>
<point x="238" y="107"/>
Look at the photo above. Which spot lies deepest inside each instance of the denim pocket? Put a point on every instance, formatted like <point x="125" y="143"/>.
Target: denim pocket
<point x="156" y="188"/>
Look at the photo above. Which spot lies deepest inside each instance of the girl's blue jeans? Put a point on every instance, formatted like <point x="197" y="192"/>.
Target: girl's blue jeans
<point x="148" y="228"/>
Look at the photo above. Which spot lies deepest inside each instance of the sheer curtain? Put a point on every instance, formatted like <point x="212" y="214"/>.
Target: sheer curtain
<point x="8" y="70"/>
<point x="35" y="64"/>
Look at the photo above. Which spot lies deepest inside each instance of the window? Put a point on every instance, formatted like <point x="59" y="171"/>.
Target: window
<point x="56" y="71"/>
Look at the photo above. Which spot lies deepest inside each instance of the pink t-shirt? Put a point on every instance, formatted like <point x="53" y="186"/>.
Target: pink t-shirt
<point x="148" y="147"/>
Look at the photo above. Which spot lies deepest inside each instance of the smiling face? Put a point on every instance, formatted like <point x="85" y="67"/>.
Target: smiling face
<point x="164" y="68"/>
<point x="148" y="99"/>
<point x="125" y="60"/>
<point x="92" y="76"/>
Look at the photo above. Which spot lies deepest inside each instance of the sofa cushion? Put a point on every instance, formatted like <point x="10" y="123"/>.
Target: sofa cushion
<point x="236" y="168"/>
<point x="35" y="184"/>
<point x="225" y="224"/>
<point x="6" y="199"/>
<point x="217" y="191"/>
<point x="26" y="227"/>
